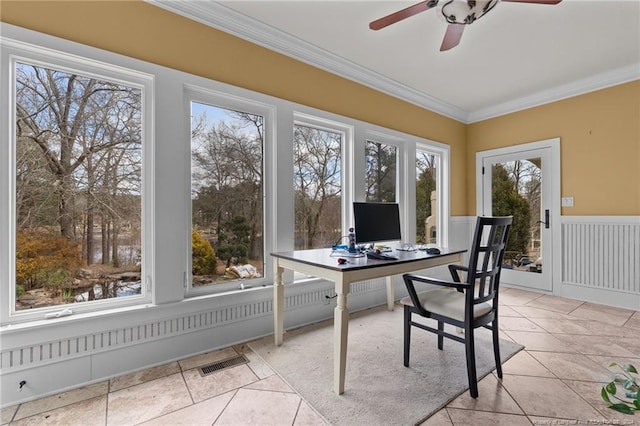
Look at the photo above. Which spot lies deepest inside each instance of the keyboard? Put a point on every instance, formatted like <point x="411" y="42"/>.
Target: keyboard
<point x="380" y="256"/>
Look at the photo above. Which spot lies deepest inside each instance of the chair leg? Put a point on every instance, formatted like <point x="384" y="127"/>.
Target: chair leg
<point x="496" y="347"/>
<point x="471" y="362"/>
<point x="440" y="336"/>
<point x="407" y="334"/>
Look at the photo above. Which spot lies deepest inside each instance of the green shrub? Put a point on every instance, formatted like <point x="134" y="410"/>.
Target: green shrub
<point x="202" y="255"/>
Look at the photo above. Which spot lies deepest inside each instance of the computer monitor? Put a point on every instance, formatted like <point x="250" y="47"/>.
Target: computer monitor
<point x="376" y="222"/>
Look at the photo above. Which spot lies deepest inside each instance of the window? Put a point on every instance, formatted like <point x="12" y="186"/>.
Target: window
<point x="381" y="163"/>
<point x="427" y="197"/>
<point x="227" y="213"/>
<point x="78" y="186"/>
<point x="317" y="183"/>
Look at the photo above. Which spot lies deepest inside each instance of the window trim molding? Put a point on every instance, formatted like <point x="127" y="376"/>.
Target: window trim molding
<point x="219" y="99"/>
<point x="15" y="51"/>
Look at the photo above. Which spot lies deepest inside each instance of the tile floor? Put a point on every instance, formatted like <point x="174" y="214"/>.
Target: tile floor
<point x="555" y="380"/>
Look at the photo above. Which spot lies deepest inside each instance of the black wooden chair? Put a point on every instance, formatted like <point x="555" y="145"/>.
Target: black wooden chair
<point x="473" y="305"/>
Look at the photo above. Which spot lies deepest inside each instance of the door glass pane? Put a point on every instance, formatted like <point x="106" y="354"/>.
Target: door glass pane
<point x="317" y="182"/>
<point x="427" y="165"/>
<point x="226" y="195"/>
<point x="516" y="189"/>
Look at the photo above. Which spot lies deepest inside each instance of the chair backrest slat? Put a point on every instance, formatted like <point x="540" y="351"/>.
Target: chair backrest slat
<point x="485" y="259"/>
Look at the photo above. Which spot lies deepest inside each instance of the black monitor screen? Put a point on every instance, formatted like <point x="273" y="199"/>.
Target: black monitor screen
<point x="376" y="222"/>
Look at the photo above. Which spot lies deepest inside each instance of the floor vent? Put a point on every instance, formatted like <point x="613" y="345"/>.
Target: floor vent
<point x="221" y="365"/>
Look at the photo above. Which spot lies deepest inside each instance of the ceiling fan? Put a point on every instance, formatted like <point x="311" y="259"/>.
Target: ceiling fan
<point x="458" y="13"/>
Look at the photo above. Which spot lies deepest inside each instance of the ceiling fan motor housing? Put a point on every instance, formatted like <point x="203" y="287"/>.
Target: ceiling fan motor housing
<point x="465" y="12"/>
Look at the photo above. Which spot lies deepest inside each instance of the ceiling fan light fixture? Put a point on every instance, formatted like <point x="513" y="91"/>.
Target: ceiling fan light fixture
<point x="465" y="12"/>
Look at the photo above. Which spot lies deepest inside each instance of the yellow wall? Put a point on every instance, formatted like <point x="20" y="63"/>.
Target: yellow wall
<point x="600" y="147"/>
<point x="146" y="32"/>
<point x="599" y="132"/>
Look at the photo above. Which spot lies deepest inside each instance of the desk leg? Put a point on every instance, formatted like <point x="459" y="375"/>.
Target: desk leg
<point x="390" y="293"/>
<point x="340" y="330"/>
<point x="278" y="303"/>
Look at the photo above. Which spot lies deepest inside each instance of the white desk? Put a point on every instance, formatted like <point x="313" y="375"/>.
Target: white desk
<point x="321" y="264"/>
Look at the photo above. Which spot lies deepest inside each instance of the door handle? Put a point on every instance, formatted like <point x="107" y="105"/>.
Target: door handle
<point x="546" y="219"/>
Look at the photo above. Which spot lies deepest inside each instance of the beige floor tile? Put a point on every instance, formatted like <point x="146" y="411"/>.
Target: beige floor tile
<point x="605" y="361"/>
<point x="89" y="412"/>
<point x="271" y="383"/>
<point x="540" y="341"/>
<point x="601" y="313"/>
<point x="630" y="343"/>
<point x="143" y="376"/>
<point x="491" y="397"/>
<point x="595" y="345"/>
<point x="634" y="321"/>
<point x="482" y="418"/>
<point x="258" y="366"/>
<point x="307" y="416"/>
<point x="149" y="400"/>
<point x="545" y="397"/>
<point x="7" y="413"/>
<point x="517" y="297"/>
<point x="602" y="329"/>
<point x="562" y="326"/>
<point x="253" y="407"/>
<point x="518" y="324"/>
<point x="629" y="332"/>
<point x="556" y="304"/>
<point x="201" y="414"/>
<point x="223" y="381"/>
<point x="532" y="312"/>
<point x="507" y="311"/>
<point x="62" y="399"/>
<point x="524" y="364"/>
<point x="207" y="358"/>
<point x="572" y="366"/>
<point x="440" y="418"/>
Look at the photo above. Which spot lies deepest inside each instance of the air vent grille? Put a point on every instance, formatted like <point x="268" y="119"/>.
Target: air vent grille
<point x="224" y="364"/>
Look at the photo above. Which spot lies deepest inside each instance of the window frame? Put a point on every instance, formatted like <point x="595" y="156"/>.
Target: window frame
<point x="443" y="185"/>
<point x="347" y="132"/>
<point x="401" y="149"/>
<point x="198" y="94"/>
<point x="14" y="52"/>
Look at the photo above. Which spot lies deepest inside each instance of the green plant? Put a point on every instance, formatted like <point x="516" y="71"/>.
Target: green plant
<point x="627" y="376"/>
<point x="202" y="254"/>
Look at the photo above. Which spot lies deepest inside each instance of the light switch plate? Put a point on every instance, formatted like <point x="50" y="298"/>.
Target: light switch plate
<point x="567" y="201"/>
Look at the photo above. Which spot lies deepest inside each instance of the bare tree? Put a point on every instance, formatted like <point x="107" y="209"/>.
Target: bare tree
<point x="317" y="184"/>
<point x="380" y="172"/>
<point x="227" y="171"/>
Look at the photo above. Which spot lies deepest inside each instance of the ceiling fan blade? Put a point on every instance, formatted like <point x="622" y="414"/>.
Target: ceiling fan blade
<point x="402" y="14"/>
<point x="534" y="1"/>
<point x="452" y="36"/>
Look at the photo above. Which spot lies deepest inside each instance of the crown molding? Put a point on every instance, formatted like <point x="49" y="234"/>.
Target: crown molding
<point x="228" y="20"/>
<point x="216" y="15"/>
<point x="575" y="88"/>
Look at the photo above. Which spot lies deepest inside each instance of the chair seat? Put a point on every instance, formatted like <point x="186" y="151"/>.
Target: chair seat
<point x="447" y="302"/>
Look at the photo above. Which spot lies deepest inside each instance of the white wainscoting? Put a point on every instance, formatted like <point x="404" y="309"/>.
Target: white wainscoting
<point x="77" y="352"/>
<point x="601" y="259"/>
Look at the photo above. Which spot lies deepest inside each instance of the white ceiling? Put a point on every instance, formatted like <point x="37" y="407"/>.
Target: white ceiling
<point x="517" y="56"/>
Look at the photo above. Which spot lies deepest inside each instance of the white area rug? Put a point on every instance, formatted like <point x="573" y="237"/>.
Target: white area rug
<point x="379" y="389"/>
